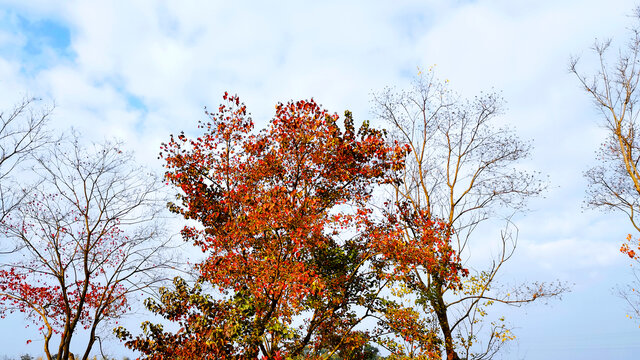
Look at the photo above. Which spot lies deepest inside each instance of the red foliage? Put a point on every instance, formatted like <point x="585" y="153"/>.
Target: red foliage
<point x="427" y="249"/>
<point x="629" y="251"/>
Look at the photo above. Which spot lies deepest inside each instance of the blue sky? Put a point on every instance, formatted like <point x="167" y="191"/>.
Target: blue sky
<point x="140" y="70"/>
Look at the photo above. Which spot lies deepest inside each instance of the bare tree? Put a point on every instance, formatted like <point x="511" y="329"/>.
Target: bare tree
<point x="462" y="171"/>
<point x="22" y="133"/>
<point x="90" y="235"/>
<point x="615" y="183"/>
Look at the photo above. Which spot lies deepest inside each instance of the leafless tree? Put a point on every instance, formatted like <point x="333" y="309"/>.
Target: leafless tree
<point x="614" y="184"/>
<point x="91" y="235"/>
<point x="462" y="170"/>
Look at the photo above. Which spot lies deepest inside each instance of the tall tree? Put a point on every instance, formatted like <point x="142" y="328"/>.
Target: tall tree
<point x="89" y="237"/>
<point x="461" y="171"/>
<point x="615" y="183"/>
<point x="294" y="256"/>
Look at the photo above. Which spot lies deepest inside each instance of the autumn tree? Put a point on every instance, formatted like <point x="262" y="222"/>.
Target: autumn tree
<point x="22" y="133"/>
<point x="614" y="184"/>
<point x="462" y="171"/>
<point x="89" y="236"/>
<point x="295" y="256"/>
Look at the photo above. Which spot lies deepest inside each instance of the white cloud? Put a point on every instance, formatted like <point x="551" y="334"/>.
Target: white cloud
<point x="573" y="254"/>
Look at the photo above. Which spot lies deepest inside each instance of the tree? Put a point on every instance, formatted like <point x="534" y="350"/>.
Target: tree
<point x="294" y="258"/>
<point x="22" y="133"/>
<point x="461" y="171"/>
<point x="615" y="183"/>
<point x="89" y="236"/>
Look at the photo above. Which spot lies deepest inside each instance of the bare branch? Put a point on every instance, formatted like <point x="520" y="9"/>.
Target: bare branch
<point x="22" y="133"/>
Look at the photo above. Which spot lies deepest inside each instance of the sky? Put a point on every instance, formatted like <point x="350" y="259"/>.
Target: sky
<point x="141" y="70"/>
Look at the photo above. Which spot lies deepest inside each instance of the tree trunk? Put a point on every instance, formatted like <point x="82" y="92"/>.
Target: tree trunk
<point x="437" y="302"/>
<point x="92" y="340"/>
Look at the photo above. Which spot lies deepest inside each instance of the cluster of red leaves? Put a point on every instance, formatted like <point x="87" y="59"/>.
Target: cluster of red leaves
<point x="285" y="218"/>
<point x="629" y="251"/>
<point x="416" y="242"/>
<point x="16" y="290"/>
<point x="45" y="302"/>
